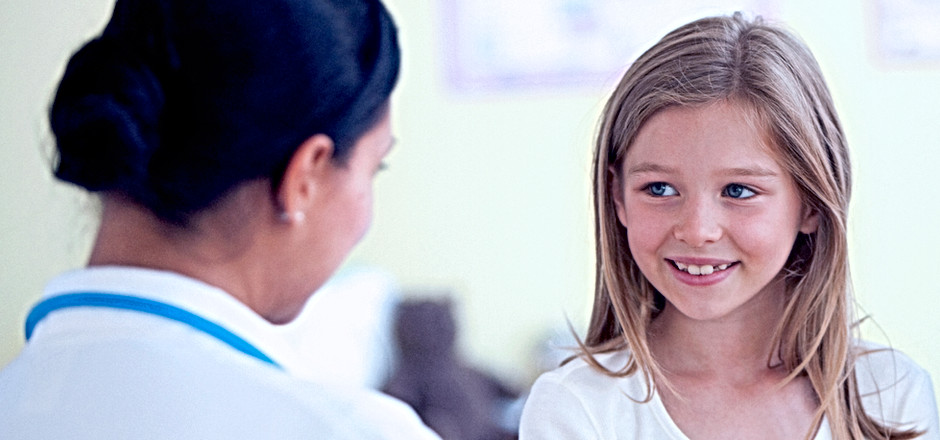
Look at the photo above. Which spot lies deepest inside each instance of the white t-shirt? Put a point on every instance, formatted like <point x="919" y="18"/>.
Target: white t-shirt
<point x="98" y="373"/>
<point x="576" y="401"/>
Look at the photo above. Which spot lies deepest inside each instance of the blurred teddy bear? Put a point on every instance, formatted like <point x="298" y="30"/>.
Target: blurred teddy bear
<point x="454" y="399"/>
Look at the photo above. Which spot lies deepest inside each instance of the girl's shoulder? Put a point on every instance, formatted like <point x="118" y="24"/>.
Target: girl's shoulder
<point x="886" y="367"/>
<point x="579" y="370"/>
<point x="580" y="401"/>
<point x="588" y="382"/>
<point x="894" y="389"/>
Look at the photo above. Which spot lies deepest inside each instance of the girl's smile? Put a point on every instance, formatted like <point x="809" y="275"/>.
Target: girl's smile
<point x="711" y="215"/>
<point x="702" y="274"/>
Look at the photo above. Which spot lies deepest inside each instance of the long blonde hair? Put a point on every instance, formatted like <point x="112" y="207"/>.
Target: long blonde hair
<point x="773" y="73"/>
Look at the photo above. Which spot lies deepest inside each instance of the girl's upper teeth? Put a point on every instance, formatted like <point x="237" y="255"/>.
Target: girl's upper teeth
<point x="705" y="269"/>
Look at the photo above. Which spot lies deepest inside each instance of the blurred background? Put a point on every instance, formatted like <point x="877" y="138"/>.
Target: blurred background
<point x="487" y="197"/>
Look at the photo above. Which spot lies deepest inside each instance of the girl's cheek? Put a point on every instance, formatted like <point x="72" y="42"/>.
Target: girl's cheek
<point x="644" y="220"/>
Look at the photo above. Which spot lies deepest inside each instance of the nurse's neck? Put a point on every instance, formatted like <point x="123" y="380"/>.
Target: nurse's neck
<point x="220" y="248"/>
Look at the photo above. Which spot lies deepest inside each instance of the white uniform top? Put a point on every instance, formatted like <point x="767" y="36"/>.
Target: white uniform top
<point x="99" y="373"/>
<point x="578" y="402"/>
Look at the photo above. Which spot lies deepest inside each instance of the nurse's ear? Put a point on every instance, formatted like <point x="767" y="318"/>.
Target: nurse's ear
<point x="616" y="193"/>
<point x="306" y="176"/>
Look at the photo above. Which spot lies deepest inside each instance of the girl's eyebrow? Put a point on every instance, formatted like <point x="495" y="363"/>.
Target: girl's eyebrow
<point x="756" y="171"/>
<point x="649" y="167"/>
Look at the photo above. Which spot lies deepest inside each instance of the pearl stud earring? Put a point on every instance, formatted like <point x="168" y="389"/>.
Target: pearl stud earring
<point x="293" y="217"/>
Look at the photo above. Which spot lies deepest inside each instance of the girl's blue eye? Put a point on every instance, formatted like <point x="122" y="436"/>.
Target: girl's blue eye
<point x="737" y="191"/>
<point x="661" y="189"/>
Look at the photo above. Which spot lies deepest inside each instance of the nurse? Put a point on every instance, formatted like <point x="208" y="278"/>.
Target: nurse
<point x="233" y="144"/>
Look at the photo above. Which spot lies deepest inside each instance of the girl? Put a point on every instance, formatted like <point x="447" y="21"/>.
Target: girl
<point x="234" y="145"/>
<point x="722" y="305"/>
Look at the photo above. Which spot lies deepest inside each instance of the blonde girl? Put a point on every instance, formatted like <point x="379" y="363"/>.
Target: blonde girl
<point x="723" y="303"/>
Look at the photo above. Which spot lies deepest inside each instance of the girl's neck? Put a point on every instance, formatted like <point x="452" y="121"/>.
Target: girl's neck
<point x="737" y="347"/>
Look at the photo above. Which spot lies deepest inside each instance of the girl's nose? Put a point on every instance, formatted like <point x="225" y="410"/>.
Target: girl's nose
<point x="698" y="223"/>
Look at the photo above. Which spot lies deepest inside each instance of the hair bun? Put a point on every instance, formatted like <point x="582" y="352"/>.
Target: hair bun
<point x="106" y="118"/>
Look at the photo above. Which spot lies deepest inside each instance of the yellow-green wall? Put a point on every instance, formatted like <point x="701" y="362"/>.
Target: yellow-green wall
<point x="487" y="194"/>
<point x="44" y="227"/>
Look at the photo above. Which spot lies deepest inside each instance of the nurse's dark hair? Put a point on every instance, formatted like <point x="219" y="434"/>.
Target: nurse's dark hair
<point x="177" y="102"/>
<point x="771" y="75"/>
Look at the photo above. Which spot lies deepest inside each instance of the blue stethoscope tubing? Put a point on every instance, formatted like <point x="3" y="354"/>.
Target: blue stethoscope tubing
<point x="142" y="305"/>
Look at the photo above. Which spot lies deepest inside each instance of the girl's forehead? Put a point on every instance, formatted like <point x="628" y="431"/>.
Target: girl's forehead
<point x="722" y="130"/>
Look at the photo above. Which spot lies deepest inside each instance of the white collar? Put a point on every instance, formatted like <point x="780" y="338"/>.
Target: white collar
<point x="187" y="293"/>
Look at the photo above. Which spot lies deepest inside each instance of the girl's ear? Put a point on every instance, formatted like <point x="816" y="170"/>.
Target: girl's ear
<point x="616" y="191"/>
<point x="305" y="175"/>
<point x="810" y="220"/>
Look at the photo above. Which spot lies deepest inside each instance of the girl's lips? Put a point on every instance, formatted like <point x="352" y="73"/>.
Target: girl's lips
<point x="704" y="268"/>
<point x="701" y="272"/>
<point x="698" y="261"/>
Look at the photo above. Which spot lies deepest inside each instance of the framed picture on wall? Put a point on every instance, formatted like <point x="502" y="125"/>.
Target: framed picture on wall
<point x="497" y="44"/>
<point x="906" y="31"/>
